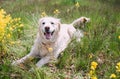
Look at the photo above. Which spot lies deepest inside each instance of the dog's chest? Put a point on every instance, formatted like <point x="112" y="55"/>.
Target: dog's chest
<point x="46" y="49"/>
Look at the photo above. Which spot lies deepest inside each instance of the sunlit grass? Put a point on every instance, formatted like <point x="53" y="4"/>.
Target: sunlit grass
<point x="101" y="41"/>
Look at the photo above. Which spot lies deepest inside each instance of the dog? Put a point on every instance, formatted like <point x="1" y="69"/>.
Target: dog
<point x="52" y="39"/>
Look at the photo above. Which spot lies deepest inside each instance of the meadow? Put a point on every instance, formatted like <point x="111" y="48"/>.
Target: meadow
<point x="97" y="56"/>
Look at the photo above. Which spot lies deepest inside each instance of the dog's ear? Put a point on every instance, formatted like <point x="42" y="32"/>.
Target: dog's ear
<point x="59" y="23"/>
<point x="39" y="25"/>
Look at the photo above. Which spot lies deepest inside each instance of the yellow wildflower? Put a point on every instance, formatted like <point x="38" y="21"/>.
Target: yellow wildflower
<point x="11" y="21"/>
<point x="56" y="11"/>
<point x="16" y="19"/>
<point x="8" y="35"/>
<point x="7" y="18"/>
<point x="50" y="49"/>
<point x="13" y="26"/>
<point x="93" y="68"/>
<point x="19" y="19"/>
<point x="93" y="77"/>
<point x="77" y="5"/>
<point x="3" y="41"/>
<point x="118" y="67"/>
<point x="43" y="14"/>
<point x="21" y="25"/>
<point x="90" y="56"/>
<point x="118" y="70"/>
<point x="2" y="11"/>
<point x="91" y="72"/>
<point x="12" y="42"/>
<point x="119" y="36"/>
<point x="11" y="29"/>
<point x="118" y="63"/>
<point x="7" y="25"/>
<point x="94" y="65"/>
<point x="112" y="76"/>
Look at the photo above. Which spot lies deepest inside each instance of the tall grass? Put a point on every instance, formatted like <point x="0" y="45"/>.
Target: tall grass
<point x="101" y="42"/>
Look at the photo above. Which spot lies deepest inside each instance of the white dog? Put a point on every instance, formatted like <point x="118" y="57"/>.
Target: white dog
<point x="52" y="38"/>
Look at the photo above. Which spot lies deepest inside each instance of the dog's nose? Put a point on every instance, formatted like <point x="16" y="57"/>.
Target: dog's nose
<point x="47" y="29"/>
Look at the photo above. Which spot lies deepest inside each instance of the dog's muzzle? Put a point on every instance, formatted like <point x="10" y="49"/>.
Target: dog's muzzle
<point x="48" y="34"/>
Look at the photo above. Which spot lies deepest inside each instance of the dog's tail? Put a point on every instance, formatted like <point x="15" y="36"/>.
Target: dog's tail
<point x="80" y="21"/>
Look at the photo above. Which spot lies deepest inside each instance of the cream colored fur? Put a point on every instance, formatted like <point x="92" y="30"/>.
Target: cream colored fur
<point x="49" y="46"/>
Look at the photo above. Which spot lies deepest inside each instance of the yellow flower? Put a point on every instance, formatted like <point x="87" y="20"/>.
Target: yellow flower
<point x="77" y="5"/>
<point x="43" y="14"/>
<point x="11" y="21"/>
<point x="8" y="35"/>
<point x="13" y="26"/>
<point x="50" y="49"/>
<point x="2" y="32"/>
<point x="7" y="25"/>
<point x="19" y="19"/>
<point x="112" y="76"/>
<point x="3" y="41"/>
<point x="11" y="29"/>
<point x="118" y="64"/>
<point x="93" y="77"/>
<point x="118" y="67"/>
<point x="90" y="56"/>
<point x="16" y="19"/>
<point x="2" y="11"/>
<point x="93" y="68"/>
<point x="7" y="18"/>
<point x="56" y="11"/>
<point x="91" y="72"/>
<point x="21" y="25"/>
<point x="94" y="65"/>
<point x="12" y="42"/>
<point x="119" y="36"/>
<point x="118" y="70"/>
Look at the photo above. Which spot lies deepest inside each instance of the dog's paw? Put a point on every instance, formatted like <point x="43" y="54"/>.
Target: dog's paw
<point x="85" y="19"/>
<point x="15" y="63"/>
<point x="81" y="21"/>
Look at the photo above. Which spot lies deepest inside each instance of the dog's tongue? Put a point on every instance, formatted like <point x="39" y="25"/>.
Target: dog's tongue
<point x="48" y="35"/>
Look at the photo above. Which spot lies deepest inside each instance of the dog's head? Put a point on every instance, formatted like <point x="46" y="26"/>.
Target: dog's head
<point x="49" y="27"/>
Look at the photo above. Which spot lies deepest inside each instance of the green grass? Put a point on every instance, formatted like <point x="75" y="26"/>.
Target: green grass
<point x="101" y="39"/>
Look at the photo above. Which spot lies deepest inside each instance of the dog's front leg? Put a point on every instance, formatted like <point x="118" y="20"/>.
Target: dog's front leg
<point x="22" y="60"/>
<point x="28" y="57"/>
<point x="43" y="61"/>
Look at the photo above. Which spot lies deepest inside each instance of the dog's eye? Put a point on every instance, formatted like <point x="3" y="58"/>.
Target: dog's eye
<point x="52" y="23"/>
<point x="43" y="23"/>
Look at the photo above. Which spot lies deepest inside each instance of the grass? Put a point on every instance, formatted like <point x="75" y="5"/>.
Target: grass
<point x="100" y="43"/>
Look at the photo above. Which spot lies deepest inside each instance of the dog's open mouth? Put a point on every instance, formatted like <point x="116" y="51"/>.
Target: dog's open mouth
<point x="48" y="35"/>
